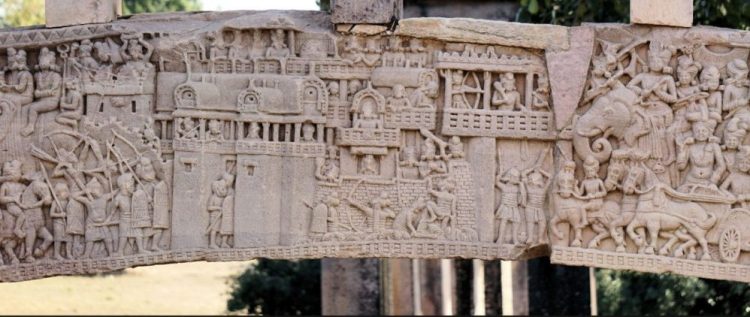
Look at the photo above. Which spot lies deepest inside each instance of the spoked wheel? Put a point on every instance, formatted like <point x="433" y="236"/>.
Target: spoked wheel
<point x="729" y="245"/>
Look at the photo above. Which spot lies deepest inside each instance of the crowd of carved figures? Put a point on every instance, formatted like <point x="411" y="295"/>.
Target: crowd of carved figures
<point x="73" y="188"/>
<point x="661" y="143"/>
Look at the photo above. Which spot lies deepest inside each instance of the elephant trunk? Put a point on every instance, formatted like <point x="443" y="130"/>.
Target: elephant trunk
<point x="600" y="149"/>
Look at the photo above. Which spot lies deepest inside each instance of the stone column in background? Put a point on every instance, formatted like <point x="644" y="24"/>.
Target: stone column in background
<point x="350" y="286"/>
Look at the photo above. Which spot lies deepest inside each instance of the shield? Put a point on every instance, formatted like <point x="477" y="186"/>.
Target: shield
<point x="161" y="205"/>
<point x="139" y="207"/>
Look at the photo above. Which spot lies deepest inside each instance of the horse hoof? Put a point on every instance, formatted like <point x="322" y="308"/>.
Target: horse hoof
<point x="680" y="253"/>
<point x="620" y="249"/>
<point x="692" y="256"/>
<point x="649" y="250"/>
<point x="593" y="244"/>
<point x="705" y="257"/>
<point x="576" y="244"/>
<point x="663" y="252"/>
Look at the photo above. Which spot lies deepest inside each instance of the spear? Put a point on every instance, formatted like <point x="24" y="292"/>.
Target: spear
<point x="52" y="190"/>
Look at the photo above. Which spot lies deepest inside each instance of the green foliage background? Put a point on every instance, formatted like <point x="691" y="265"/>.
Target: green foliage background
<point x="142" y="6"/>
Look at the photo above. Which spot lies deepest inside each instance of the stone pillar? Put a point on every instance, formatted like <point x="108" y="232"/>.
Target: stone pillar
<point x="515" y="287"/>
<point x="481" y="157"/>
<point x="366" y="11"/>
<point x="73" y="12"/>
<point x="397" y="286"/>
<point x="662" y="12"/>
<point x="350" y="286"/>
<point x="478" y="288"/>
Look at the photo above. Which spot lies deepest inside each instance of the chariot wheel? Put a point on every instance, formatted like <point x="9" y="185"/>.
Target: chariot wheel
<point x="729" y="244"/>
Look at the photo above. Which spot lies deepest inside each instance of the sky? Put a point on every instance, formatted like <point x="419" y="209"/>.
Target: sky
<point x="216" y="5"/>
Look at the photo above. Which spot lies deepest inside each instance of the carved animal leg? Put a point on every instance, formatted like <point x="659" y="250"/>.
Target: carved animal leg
<point x="577" y="241"/>
<point x="601" y="231"/>
<point x="554" y="222"/>
<point x="653" y="231"/>
<point x="670" y="243"/>
<point x="633" y="235"/>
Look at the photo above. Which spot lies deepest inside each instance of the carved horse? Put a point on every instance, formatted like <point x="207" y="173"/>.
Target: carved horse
<point x="657" y="211"/>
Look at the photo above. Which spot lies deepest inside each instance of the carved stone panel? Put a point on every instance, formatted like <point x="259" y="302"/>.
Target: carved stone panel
<point x="657" y="179"/>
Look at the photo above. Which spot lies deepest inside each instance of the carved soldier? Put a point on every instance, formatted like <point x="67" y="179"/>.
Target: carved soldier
<point x="95" y="200"/>
<point x="325" y="216"/>
<point x="48" y="89"/>
<point x="10" y="196"/>
<point x="221" y="189"/>
<point x="75" y="224"/>
<point x="157" y="192"/>
<point x="710" y="78"/>
<point x="403" y="223"/>
<point x="379" y="210"/>
<point x="226" y="230"/>
<point x="540" y="96"/>
<point x="734" y="135"/>
<point x="445" y="206"/>
<point x="36" y="196"/>
<point x="537" y="182"/>
<point x="58" y="214"/>
<point x="511" y="200"/>
<point x="123" y="209"/>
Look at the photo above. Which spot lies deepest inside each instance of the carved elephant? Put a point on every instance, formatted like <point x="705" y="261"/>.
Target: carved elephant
<point x="610" y="115"/>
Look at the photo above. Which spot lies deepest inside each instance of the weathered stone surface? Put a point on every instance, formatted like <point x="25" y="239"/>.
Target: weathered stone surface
<point x="538" y="36"/>
<point x="73" y="12"/>
<point x="366" y="11"/>
<point x="361" y="29"/>
<point x="568" y="70"/>
<point x="662" y="12"/>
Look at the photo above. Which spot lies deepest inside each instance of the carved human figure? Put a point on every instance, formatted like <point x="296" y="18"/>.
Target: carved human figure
<point x="657" y="89"/>
<point x="540" y="96"/>
<point x="691" y="105"/>
<point x="308" y="131"/>
<point x="592" y="190"/>
<point x="445" y="204"/>
<point x="354" y="87"/>
<point x="36" y="196"/>
<point x="367" y="115"/>
<point x="215" y="130"/>
<point x="10" y="196"/>
<point x="97" y="220"/>
<point x="19" y="86"/>
<point x="187" y="129"/>
<point x="278" y="47"/>
<point x="738" y="181"/>
<point x="75" y="224"/>
<point x="701" y="156"/>
<point x="734" y="136"/>
<point x="334" y="91"/>
<point x="48" y="89"/>
<point x="536" y="181"/>
<point x="424" y="96"/>
<point x="403" y="224"/>
<point x="58" y="214"/>
<point x="136" y="52"/>
<point x="71" y="106"/>
<point x="368" y="166"/>
<point x="505" y="96"/>
<point x="254" y="132"/>
<point x="379" y="210"/>
<point x="221" y="191"/>
<point x="325" y="216"/>
<point x="710" y="77"/>
<point x="157" y="192"/>
<point x="513" y="197"/>
<point x="398" y="101"/>
<point x="456" y="147"/>
<point x="122" y="209"/>
<point x="736" y="89"/>
<point x="226" y="230"/>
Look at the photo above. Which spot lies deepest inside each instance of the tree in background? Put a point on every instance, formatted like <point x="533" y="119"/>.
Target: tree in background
<point x="278" y="287"/>
<point x="22" y="12"/>
<point x="722" y="13"/>
<point x="141" y="6"/>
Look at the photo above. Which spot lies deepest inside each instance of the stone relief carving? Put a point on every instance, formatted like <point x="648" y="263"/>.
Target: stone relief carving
<point x="258" y="134"/>
<point x="658" y="146"/>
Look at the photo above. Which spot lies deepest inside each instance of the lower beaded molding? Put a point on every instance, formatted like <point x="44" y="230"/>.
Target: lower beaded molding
<point x="397" y="249"/>
<point x="649" y="263"/>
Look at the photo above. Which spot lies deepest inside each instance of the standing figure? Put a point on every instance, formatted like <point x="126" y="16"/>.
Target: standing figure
<point x="537" y="182"/>
<point x="657" y="89"/>
<point x="95" y="200"/>
<point x="36" y="196"/>
<point x="379" y="210"/>
<point x="540" y="96"/>
<point x="58" y="214"/>
<point x="123" y="206"/>
<point x="226" y="230"/>
<point x="10" y="196"/>
<point x="513" y="197"/>
<point x="75" y="223"/>
<point x="157" y="192"/>
<point x="220" y="191"/>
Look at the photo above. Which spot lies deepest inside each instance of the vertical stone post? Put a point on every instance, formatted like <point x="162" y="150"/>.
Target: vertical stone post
<point x="515" y="287"/>
<point x="73" y="12"/>
<point x="350" y="286"/>
<point x="397" y="287"/>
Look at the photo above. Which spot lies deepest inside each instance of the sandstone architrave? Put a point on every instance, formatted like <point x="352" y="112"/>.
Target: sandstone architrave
<point x="236" y="135"/>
